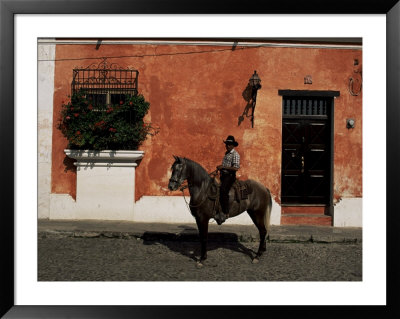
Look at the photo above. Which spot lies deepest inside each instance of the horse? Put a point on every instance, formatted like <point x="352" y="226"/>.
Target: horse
<point x="202" y="206"/>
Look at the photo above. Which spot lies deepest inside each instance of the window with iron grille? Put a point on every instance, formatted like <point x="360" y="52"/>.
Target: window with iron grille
<point x="106" y="111"/>
<point x="105" y="84"/>
<point x="308" y="106"/>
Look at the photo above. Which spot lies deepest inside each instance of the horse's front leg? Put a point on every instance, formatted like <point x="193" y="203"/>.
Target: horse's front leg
<point x="202" y="225"/>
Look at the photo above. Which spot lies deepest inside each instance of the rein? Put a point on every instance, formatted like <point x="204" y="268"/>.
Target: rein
<point x="182" y="188"/>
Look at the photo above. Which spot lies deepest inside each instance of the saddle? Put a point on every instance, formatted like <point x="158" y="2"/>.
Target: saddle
<point x="242" y="189"/>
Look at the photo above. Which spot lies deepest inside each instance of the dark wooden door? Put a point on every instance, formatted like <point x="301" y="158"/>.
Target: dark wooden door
<point x="306" y="151"/>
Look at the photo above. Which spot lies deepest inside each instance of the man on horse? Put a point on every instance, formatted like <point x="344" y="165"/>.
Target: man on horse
<point x="230" y="165"/>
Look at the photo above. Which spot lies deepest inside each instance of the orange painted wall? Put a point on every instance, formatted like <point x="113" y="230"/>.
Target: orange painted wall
<point x="197" y="96"/>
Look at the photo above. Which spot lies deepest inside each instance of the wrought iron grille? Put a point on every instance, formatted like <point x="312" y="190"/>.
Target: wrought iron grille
<point x="105" y="83"/>
<point x="309" y="106"/>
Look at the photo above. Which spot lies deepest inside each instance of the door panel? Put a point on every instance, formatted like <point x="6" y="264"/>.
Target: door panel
<point x="306" y="155"/>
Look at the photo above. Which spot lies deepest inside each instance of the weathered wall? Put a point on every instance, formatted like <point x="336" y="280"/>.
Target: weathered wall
<point x="197" y="96"/>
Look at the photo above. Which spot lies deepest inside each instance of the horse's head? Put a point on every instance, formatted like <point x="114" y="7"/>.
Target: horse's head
<point x="178" y="175"/>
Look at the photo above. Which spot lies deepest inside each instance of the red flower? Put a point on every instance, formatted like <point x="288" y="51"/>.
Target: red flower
<point x="72" y="108"/>
<point x="68" y="117"/>
<point x="78" y="133"/>
<point x="99" y="124"/>
<point x="111" y="129"/>
<point x="90" y="107"/>
<point x="76" y="114"/>
<point x="130" y="103"/>
<point x="109" y="110"/>
<point x="121" y="102"/>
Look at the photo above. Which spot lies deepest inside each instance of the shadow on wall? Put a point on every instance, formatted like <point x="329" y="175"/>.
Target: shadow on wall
<point x="69" y="164"/>
<point x="248" y="98"/>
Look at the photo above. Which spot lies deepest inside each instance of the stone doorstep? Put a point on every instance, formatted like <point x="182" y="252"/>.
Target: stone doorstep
<point x="303" y="210"/>
<point x="306" y="219"/>
<point x="305" y="215"/>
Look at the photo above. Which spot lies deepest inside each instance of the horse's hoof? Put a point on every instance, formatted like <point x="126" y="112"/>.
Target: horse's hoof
<point x="255" y="260"/>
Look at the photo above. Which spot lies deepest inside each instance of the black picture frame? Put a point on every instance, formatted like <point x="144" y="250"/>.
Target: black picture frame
<point x="8" y="10"/>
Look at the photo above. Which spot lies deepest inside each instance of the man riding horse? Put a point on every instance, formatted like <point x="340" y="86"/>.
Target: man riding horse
<point x="230" y="165"/>
<point x="257" y="203"/>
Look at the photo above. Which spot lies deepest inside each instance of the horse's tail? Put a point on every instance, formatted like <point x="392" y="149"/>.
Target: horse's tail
<point x="268" y="210"/>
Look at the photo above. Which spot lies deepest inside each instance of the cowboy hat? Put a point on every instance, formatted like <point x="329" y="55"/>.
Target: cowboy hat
<point x="231" y="140"/>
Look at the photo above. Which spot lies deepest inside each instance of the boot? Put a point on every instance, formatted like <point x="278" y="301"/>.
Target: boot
<point x="220" y="217"/>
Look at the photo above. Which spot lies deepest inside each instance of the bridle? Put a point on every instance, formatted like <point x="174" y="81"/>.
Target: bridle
<point x="183" y="187"/>
<point x="179" y="181"/>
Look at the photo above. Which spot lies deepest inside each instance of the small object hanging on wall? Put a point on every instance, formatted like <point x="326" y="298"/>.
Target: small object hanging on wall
<point x="350" y="123"/>
<point x="308" y="79"/>
<point x="255" y="84"/>
<point x="355" y="83"/>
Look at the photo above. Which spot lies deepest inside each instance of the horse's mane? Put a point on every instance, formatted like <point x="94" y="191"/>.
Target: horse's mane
<point x="197" y="171"/>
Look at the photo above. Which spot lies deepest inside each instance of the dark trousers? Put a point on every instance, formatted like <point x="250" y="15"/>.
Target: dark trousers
<point x="227" y="180"/>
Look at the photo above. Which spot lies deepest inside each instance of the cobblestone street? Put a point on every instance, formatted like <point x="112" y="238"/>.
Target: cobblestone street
<point x="114" y="259"/>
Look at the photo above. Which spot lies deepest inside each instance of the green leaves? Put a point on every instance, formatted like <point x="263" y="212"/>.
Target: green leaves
<point x="100" y="127"/>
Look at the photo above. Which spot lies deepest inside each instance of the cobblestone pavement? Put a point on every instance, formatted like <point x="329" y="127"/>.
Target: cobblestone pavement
<point x="114" y="259"/>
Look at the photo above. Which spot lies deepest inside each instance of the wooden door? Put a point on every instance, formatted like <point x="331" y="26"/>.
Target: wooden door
<point x="306" y="150"/>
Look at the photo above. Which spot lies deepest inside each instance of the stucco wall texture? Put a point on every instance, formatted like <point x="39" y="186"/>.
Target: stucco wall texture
<point x="197" y="98"/>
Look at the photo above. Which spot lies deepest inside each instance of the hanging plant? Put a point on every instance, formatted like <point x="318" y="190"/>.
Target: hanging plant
<point x="105" y="127"/>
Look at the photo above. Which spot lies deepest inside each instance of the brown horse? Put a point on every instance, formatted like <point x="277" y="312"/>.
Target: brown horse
<point x="202" y="206"/>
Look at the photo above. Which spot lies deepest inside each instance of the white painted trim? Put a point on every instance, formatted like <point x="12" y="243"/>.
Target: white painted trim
<point x="106" y="158"/>
<point x="348" y="213"/>
<point x="148" y="209"/>
<point x="94" y="164"/>
<point x="105" y="185"/>
<point x="232" y="43"/>
<point x="173" y="209"/>
<point x="45" y="125"/>
<point x="63" y="206"/>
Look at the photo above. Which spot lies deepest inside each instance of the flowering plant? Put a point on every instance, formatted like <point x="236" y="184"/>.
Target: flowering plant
<point x="105" y="127"/>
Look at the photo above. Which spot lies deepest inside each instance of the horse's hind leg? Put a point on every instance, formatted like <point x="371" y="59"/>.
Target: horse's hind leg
<point x="260" y="221"/>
